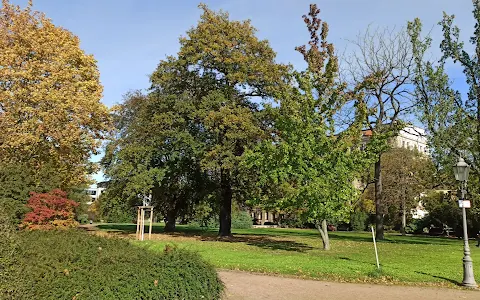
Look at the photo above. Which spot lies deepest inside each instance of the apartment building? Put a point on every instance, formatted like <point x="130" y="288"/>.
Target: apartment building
<point x="95" y="190"/>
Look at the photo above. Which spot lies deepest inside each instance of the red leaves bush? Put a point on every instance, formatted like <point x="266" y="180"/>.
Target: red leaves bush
<point x="50" y="210"/>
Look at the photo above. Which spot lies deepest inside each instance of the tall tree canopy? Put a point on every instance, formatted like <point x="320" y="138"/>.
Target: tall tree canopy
<point x="50" y="110"/>
<point x="221" y="65"/>
<point x="153" y="155"/>
<point x="451" y="117"/>
<point x="184" y="141"/>
<point x="308" y="168"/>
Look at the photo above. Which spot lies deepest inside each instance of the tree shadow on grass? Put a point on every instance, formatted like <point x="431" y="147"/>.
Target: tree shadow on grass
<point x="261" y="241"/>
<point x="440" y="277"/>
<point x="397" y="240"/>
<point x="269" y="236"/>
<point x="156" y="228"/>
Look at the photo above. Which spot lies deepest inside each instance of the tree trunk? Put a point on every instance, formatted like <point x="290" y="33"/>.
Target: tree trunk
<point x="324" y="234"/>
<point x="171" y="218"/>
<point x="378" y="199"/>
<point x="225" y="205"/>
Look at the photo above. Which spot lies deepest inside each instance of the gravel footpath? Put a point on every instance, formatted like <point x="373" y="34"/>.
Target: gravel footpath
<point x="243" y="285"/>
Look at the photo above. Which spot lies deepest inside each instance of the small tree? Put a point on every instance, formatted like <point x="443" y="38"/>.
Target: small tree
<point x="50" y="210"/>
<point x="406" y="174"/>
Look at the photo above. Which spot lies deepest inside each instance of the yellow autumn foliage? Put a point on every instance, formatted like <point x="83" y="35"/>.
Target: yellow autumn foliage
<point x="50" y="91"/>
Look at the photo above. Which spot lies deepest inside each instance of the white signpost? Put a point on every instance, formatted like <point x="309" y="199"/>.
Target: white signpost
<point x="375" y="246"/>
<point x="464" y="203"/>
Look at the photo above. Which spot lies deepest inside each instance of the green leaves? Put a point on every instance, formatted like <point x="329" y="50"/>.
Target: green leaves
<point x="185" y="141"/>
<point x="453" y="122"/>
<point x="230" y="52"/>
<point x="154" y="153"/>
<point x="308" y="168"/>
<point x="74" y="264"/>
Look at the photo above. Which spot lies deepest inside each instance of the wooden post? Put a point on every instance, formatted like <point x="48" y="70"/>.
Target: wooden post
<point x="142" y="226"/>
<point x="151" y="221"/>
<point x="138" y="223"/>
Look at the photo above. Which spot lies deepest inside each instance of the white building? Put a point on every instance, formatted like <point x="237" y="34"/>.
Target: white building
<point x="412" y="137"/>
<point x="95" y="191"/>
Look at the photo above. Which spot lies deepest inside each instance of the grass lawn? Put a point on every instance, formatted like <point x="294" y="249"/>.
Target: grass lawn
<point x="297" y="252"/>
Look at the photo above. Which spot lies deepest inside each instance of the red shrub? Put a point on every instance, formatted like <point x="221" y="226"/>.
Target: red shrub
<point x="50" y="210"/>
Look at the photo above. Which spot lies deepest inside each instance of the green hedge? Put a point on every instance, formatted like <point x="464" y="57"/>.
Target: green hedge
<point x="8" y="248"/>
<point x="76" y="265"/>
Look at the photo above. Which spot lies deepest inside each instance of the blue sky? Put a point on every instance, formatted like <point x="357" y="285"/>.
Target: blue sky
<point x="129" y="37"/>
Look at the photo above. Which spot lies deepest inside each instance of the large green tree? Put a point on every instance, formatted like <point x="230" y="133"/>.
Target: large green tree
<point x="153" y="156"/>
<point x="309" y="169"/>
<point x="222" y="67"/>
<point x="451" y="117"/>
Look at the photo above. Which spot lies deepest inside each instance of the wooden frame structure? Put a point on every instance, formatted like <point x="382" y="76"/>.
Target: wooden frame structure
<point x="141" y="222"/>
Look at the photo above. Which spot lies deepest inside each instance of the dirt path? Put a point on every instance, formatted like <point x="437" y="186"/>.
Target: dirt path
<point x="243" y="286"/>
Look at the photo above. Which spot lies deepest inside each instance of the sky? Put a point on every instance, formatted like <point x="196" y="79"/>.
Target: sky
<point x="129" y="37"/>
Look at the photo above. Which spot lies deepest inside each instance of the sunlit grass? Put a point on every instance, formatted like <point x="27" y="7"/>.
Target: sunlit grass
<point x="297" y="252"/>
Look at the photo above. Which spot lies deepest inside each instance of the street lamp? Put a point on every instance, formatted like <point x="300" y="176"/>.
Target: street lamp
<point x="461" y="170"/>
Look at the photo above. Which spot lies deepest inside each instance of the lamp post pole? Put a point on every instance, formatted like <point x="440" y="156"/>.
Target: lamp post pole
<point x="468" y="277"/>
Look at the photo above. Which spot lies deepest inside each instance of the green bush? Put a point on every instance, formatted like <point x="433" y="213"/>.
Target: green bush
<point x="119" y="215"/>
<point x="241" y="220"/>
<point x="417" y="225"/>
<point x="292" y="222"/>
<point x="8" y="248"/>
<point x="206" y="223"/>
<point x="358" y="221"/>
<point x="17" y="180"/>
<point x="83" y="219"/>
<point x="76" y="265"/>
<point x="204" y="215"/>
<point x="112" y="206"/>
